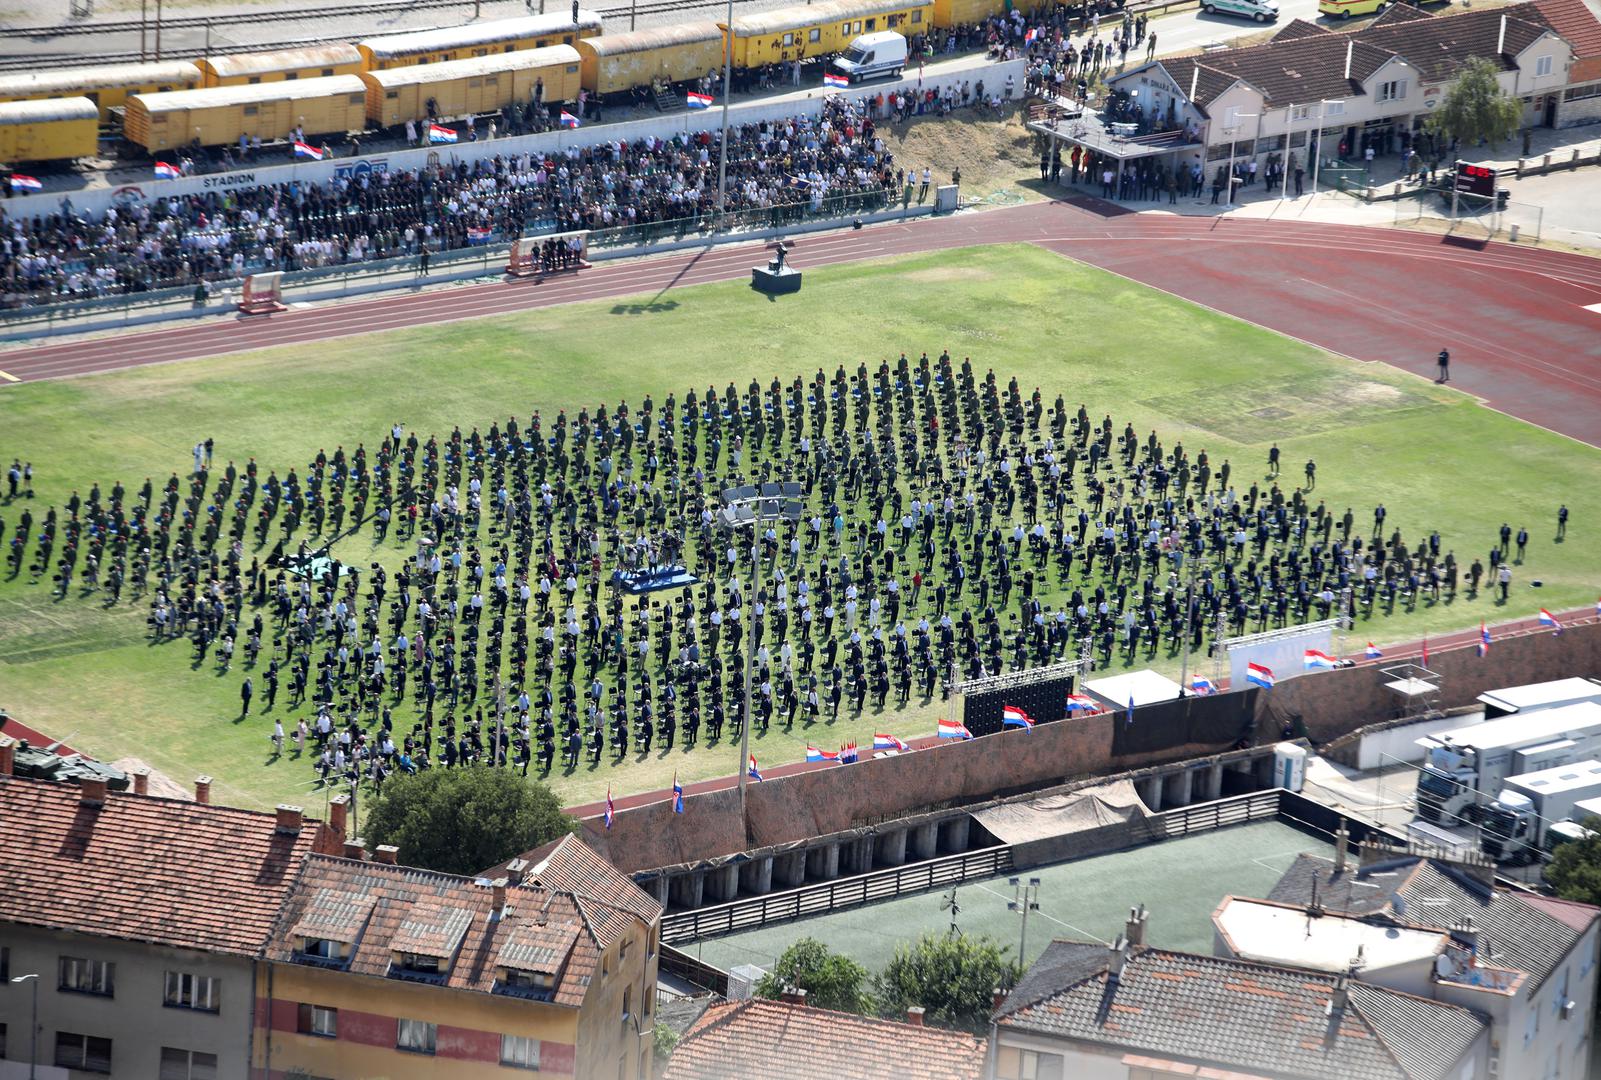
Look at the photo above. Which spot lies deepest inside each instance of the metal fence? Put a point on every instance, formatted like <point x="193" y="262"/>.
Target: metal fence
<point x="1472" y="216"/>
<point x="1208" y="816"/>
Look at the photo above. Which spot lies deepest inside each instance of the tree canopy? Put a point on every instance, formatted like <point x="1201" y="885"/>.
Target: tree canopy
<point x="952" y="977"/>
<point x="831" y="981"/>
<point x="1575" y="870"/>
<point x="1476" y="109"/>
<point x="460" y="821"/>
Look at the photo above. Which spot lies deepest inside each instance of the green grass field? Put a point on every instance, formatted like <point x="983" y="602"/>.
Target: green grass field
<point x="1433" y="456"/>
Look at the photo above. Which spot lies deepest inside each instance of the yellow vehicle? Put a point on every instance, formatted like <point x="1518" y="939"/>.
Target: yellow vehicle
<point x="614" y="63"/>
<point x="51" y="129"/>
<point x="281" y="65"/>
<point x="218" y="116"/>
<point x="1344" y="9"/>
<point x="479" y="85"/>
<point x="794" y="33"/>
<point x="476" y="39"/>
<point x="108" y="87"/>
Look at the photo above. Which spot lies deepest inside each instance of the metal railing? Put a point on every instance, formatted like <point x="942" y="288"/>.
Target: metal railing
<point x="837" y="895"/>
<point x="683" y="966"/>
<point x="1205" y="817"/>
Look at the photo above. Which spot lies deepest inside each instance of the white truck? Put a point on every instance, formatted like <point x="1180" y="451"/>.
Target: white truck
<point x="1517" y="824"/>
<point x="1467" y="766"/>
<point x="871" y="55"/>
<point x="1532" y="697"/>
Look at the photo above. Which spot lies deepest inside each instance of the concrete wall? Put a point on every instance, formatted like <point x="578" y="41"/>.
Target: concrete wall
<point x="1400" y="743"/>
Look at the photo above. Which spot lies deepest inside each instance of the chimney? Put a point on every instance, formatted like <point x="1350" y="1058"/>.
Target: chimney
<point x="141" y="781"/>
<point x="793" y="995"/>
<point x="8" y="755"/>
<point x="1114" y="971"/>
<point x="1134" y="930"/>
<point x="355" y="848"/>
<point x="385" y="853"/>
<point x="1342" y="847"/>
<point x="1341" y="996"/>
<point x="289" y="819"/>
<point x="92" y="791"/>
<point x="497" y="890"/>
<point x="997" y="998"/>
<point x="203" y="790"/>
<point x="515" y="871"/>
<point x="338" y="814"/>
<point x="914" y="1015"/>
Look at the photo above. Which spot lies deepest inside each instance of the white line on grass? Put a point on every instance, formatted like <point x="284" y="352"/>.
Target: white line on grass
<point x="1053" y="918"/>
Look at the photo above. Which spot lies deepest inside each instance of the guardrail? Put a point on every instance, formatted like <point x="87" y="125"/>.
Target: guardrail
<point x="841" y="894"/>
<point x="1205" y="817"/>
<point x="681" y="965"/>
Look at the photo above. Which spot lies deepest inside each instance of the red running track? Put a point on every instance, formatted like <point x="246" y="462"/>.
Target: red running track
<point x="1515" y="320"/>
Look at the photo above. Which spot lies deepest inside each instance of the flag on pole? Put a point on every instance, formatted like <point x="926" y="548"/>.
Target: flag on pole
<point x="1028" y="38"/>
<point x="1373" y="652"/>
<point x="25" y="183"/>
<point x="1082" y="702"/>
<point x="1484" y="639"/>
<point x="1202" y="685"/>
<point x="439" y="134"/>
<point x="953" y="729"/>
<point x="304" y="151"/>
<point x="698" y="101"/>
<point x="479" y="234"/>
<point x="164" y="171"/>
<point x="1314" y="660"/>
<point x="1261" y="676"/>
<point x="1012" y="716"/>
<point x="1129" y="716"/>
<point x="1425" y="660"/>
<point x="847" y="753"/>
<point x="755" y="773"/>
<point x="568" y="120"/>
<point x="1548" y="619"/>
<point x="611" y="810"/>
<point x="678" y="795"/>
<point x="838" y="82"/>
<point x="889" y="742"/>
<point x="814" y="754"/>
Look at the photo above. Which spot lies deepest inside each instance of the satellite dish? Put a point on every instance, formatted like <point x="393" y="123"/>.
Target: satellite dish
<point x="1443" y="966"/>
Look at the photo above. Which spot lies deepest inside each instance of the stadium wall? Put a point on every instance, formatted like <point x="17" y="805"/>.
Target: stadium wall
<point x="793" y="809"/>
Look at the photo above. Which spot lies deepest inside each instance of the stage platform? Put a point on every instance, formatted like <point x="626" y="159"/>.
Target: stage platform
<point x="638" y="582"/>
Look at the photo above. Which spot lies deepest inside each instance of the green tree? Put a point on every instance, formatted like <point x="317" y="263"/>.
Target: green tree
<point x="1476" y="108"/>
<point x="952" y="978"/>
<point x="460" y="821"/>
<point x="830" y="981"/>
<point x="1575" y="870"/>
<point x="664" y="1039"/>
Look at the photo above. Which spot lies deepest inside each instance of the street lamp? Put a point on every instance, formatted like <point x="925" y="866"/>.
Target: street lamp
<point x="722" y="156"/>
<point x="1317" y="158"/>
<point x="1189" y="618"/>
<point x="1025" y="899"/>
<point x="1234" y="134"/>
<point x="33" y="1030"/>
<point x="754" y="505"/>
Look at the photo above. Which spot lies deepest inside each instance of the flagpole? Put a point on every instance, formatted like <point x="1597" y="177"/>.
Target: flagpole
<point x="722" y="177"/>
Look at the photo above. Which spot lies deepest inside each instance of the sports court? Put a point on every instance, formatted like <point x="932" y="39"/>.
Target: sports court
<point x="1180" y="882"/>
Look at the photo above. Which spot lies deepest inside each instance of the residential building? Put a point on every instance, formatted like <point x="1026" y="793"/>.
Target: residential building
<point x="376" y="969"/>
<point x="1527" y="962"/>
<point x="789" y="1040"/>
<point x="142" y="918"/>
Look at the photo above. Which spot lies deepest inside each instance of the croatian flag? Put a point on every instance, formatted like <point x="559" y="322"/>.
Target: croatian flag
<point x="1012" y="716"/>
<point x="1425" y="660"/>
<point x="478" y="234"/>
<point x="1315" y="660"/>
<point x="1484" y="639"/>
<point x="568" y="120"/>
<point x="755" y="773"/>
<point x="847" y="754"/>
<point x="698" y="101"/>
<point x="889" y="742"/>
<point x="1261" y="676"/>
<point x="1082" y="702"/>
<point x="438" y="134"/>
<point x="1202" y="685"/>
<point x="165" y="171"/>
<point x="1373" y="652"/>
<point x="611" y="811"/>
<point x="1028" y="38"/>
<point x="953" y="729"/>
<point x="1548" y="619"/>
<point x="814" y="754"/>
<point x="25" y="183"/>
<point x="304" y="151"/>
<point x="678" y="795"/>
<point x="839" y="82"/>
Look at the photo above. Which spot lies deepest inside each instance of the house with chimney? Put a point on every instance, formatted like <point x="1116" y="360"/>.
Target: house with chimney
<point x="137" y="923"/>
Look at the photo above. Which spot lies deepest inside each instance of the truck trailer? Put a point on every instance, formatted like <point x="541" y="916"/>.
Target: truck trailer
<point x="1468" y="766"/>
<point x="1516" y="824"/>
<point x="1532" y="697"/>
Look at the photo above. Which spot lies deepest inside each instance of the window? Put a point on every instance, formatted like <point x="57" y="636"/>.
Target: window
<point x="789" y="39"/>
<point x="318" y="1020"/>
<point x="189" y="991"/>
<point x="187" y="1064"/>
<point x="1302" y="112"/>
<point x="88" y="976"/>
<point x="1014" y="1063"/>
<point x="253" y="80"/>
<point x="417" y="1036"/>
<point x="1394" y="90"/>
<point x="917" y="16"/>
<point x="291" y="76"/>
<point x="2" y="1042"/>
<point x="417" y="964"/>
<point x="1580" y="93"/>
<point x="519" y="1052"/>
<point x="1334" y="108"/>
<point x="324" y="948"/>
<point x="5" y="965"/>
<point x="628" y="1002"/>
<point x="1542" y="66"/>
<point x="326" y="72"/>
<point x="252" y="110"/>
<point x="82" y="1052"/>
<point x="814" y="36"/>
<point x="526" y="983"/>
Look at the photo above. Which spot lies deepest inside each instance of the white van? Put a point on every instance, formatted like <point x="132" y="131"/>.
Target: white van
<point x="870" y="55"/>
<point x="1261" y="10"/>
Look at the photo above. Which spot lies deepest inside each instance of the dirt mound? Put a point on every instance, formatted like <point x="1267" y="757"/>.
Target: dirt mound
<point x="996" y="154"/>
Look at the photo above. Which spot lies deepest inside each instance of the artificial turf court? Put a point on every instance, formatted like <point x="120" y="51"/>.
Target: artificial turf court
<point x="1179" y="881"/>
<point x="1143" y="356"/>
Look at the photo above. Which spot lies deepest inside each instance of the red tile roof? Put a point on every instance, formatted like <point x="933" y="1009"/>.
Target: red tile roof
<point x="608" y="895"/>
<point x="779" y="1041"/>
<point x="1570" y="913"/>
<point x="141" y="868"/>
<point x="1577" y="24"/>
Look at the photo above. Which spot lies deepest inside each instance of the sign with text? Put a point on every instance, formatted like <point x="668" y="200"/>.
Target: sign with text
<point x="1475" y="180"/>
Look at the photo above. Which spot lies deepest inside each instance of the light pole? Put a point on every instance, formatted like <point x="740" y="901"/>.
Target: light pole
<point x="1284" y="178"/>
<point x="33" y="1029"/>
<point x="1189" y="619"/>
<point x="1317" y="158"/>
<point x="753" y="506"/>
<point x="1025" y="899"/>
<point x="1234" y="134"/>
<point x="722" y="156"/>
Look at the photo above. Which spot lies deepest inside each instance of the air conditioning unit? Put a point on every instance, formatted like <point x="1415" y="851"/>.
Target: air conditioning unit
<point x="742" y="980"/>
<point x="1566" y="1012"/>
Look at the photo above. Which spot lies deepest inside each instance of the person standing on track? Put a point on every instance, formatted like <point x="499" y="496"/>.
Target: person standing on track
<point x="1444" y="360"/>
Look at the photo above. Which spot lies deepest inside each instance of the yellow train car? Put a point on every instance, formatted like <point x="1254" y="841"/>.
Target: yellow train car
<point x="281" y="65"/>
<point x="51" y="129"/>
<point x="614" y="63"/>
<point x="962" y="12"/>
<point x="479" y="85"/>
<point x="476" y="39"/>
<point x="108" y="87"/>
<point x="795" y="33"/>
<point x="218" y="116"/>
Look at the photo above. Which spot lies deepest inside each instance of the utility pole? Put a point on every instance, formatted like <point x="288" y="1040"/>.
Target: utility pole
<point x="722" y="157"/>
<point x="33" y="1030"/>
<point x="1025" y="899"/>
